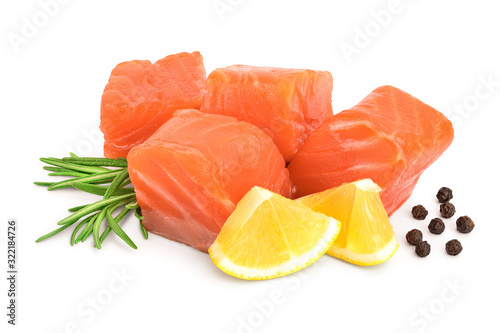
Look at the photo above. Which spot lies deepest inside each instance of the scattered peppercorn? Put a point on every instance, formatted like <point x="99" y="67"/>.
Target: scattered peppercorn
<point x="465" y="224"/>
<point x="423" y="249"/>
<point x="419" y="212"/>
<point x="453" y="247"/>
<point x="414" y="236"/>
<point x="444" y="194"/>
<point x="447" y="210"/>
<point x="436" y="226"/>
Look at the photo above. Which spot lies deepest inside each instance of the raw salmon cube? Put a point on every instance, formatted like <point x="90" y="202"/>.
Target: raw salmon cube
<point x="287" y="104"/>
<point x="141" y="96"/>
<point x="190" y="174"/>
<point x="390" y="137"/>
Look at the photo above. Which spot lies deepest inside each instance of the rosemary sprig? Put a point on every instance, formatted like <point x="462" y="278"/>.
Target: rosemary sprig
<point x="104" y="177"/>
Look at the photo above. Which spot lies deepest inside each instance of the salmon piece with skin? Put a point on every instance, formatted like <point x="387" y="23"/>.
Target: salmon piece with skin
<point x="287" y="104"/>
<point x="390" y="137"/>
<point x="141" y="96"/>
<point x="190" y="174"/>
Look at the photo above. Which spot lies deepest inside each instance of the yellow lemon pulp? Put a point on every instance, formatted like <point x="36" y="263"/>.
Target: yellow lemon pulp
<point x="269" y="236"/>
<point x="366" y="236"/>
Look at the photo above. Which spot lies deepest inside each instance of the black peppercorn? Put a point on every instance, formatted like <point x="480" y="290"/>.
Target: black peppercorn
<point x="444" y="195"/>
<point x="419" y="212"/>
<point x="414" y="236"/>
<point x="447" y="210"/>
<point x="453" y="247"/>
<point x="436" y="226"/>
<point x="465" y="224"/>
<point x="423" y="249"/>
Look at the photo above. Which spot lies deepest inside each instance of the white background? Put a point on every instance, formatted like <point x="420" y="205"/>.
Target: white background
<point x="440" y="51"/>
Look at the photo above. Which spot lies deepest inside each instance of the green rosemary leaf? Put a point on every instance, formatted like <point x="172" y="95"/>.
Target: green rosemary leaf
<point x="144" y="231"/>
<point x="119" y="231"/>
<point x="110" y="209"/>
<point x="90" y="188"/>
<point x="118" y="218"/>
<point x="93" y="207"/>
<point x="115" y="183"/>
<point x="87" y="179"/>
<point x="43" y="183"/>
<point x="125" y="182"/>
<point x="101" y="182"/>
<point x="105" y="234"/>
<point x="138" y="213"/>
<point x="71" y="166"/>
<point x="73" y="235"/>
<point x="96" y="161"/>
<point x="77" y="208"/>
<point x="97" y="226"/>
<point x="68" y="174"/>
<point x="50" y="234"/>
<point x="132" y="205"/>
<point x="101" y="190"/>
<point x="88" y="229"/>
<point x="55" y="169"/>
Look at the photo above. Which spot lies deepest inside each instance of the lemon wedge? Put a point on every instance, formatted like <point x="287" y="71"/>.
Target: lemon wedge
<point x="268" y="236"/>
<point x="366" y="236"/>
